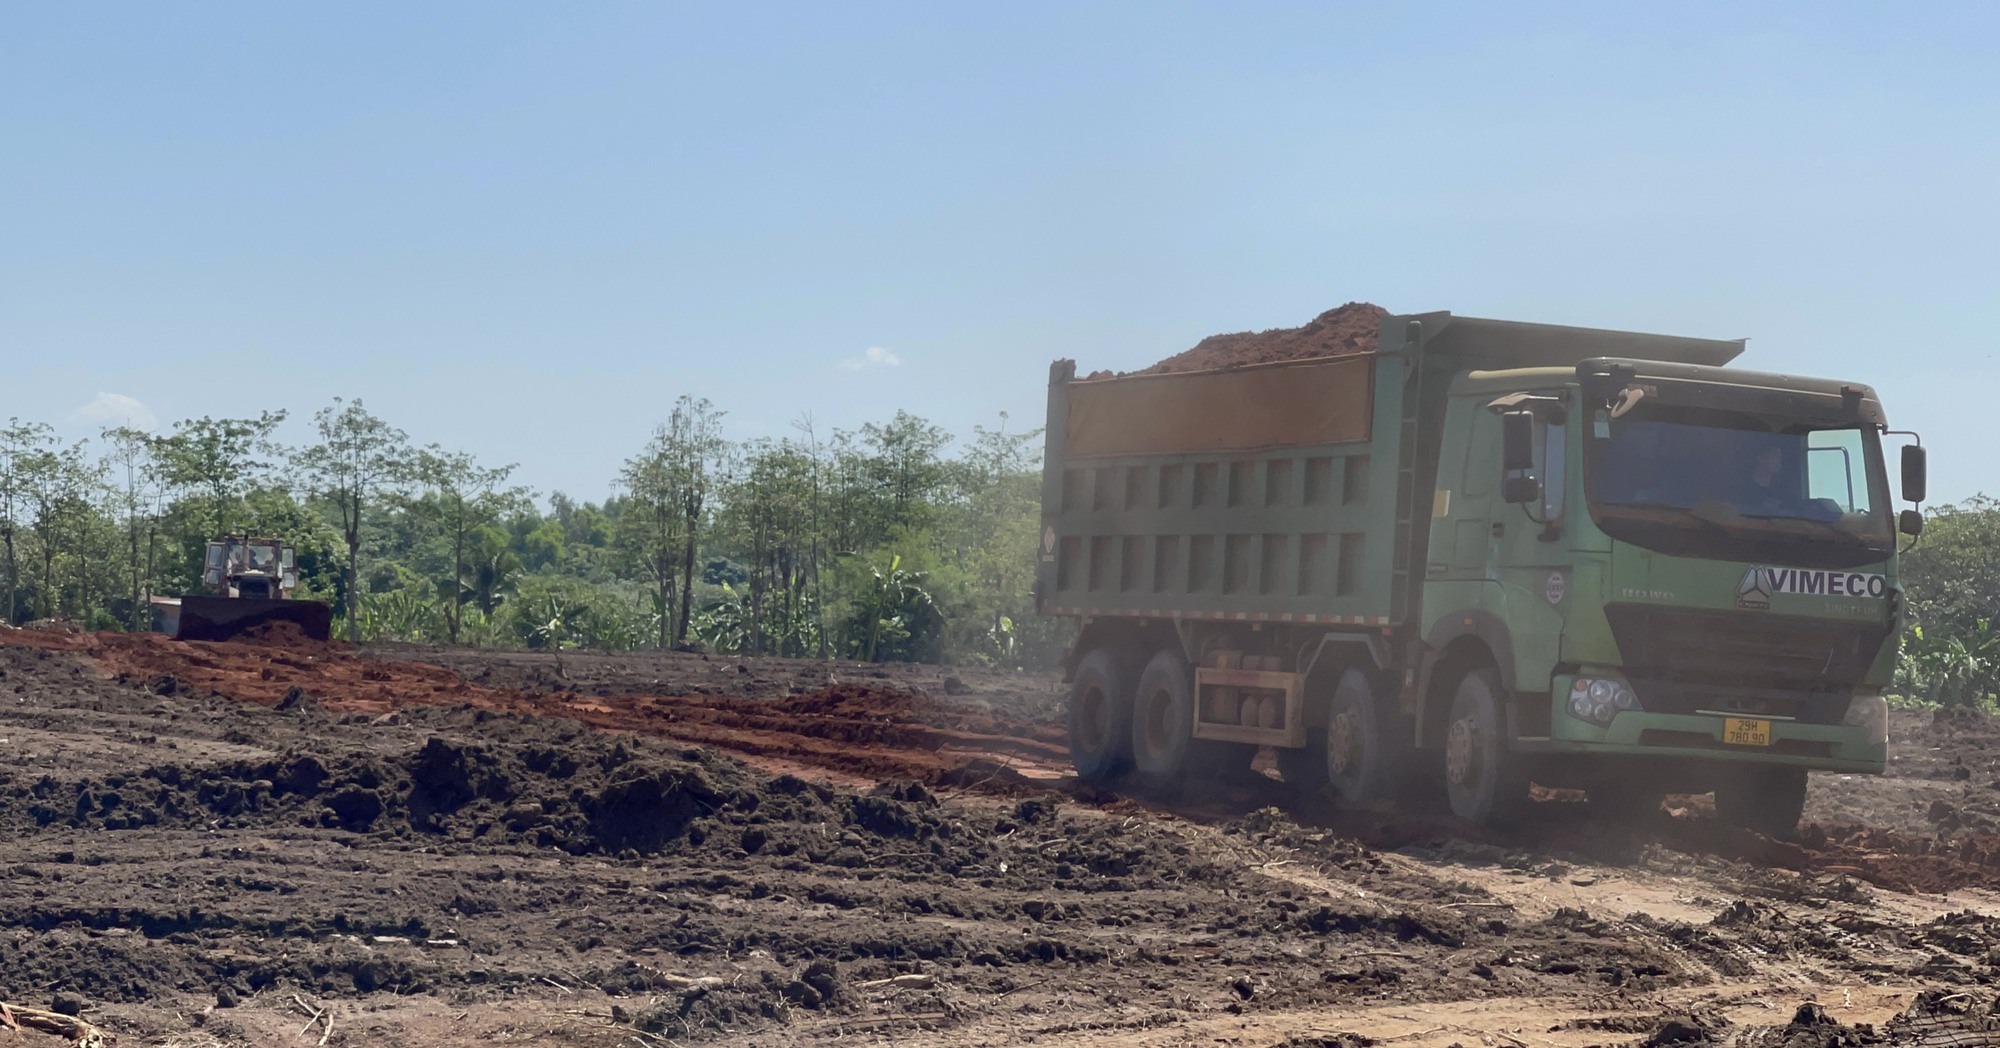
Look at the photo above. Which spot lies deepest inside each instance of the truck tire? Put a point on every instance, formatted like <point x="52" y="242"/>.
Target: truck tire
<point x="1100" y="718"/>
<point x="1163" y="744"/>
<point x="1767" y="800"/>
<point x="1483" y="780"/>
<point x="1357" y="748"/>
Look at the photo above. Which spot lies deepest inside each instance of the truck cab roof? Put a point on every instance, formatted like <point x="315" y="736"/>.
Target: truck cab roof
<point x="1818" y="399"/>
<point x="1478" y="343"/>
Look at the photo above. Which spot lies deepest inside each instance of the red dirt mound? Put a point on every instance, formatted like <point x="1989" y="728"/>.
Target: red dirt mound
<point x="853" y="700"/>
<point x="283" y="634"/>
<point x="853" y="730"/>
<point x="1352" y="328"/>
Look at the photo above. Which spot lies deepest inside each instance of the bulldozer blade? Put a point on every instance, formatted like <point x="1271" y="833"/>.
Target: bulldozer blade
<point x="226" y="618"/>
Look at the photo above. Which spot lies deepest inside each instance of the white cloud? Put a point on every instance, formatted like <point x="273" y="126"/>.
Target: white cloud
<point x="117" y="409"/>
<point x="872" y="357"/>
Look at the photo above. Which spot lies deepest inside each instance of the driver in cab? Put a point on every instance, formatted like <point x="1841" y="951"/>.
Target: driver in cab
<point x="1764" y="495"/>
<point x="1772" y="487"/>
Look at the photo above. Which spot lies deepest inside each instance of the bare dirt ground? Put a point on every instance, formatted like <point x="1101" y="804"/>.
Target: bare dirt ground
<point x="209" y="844"/>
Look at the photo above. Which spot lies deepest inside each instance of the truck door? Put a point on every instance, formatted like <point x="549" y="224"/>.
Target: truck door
<point x="1533" y="563"/>
<point x="1468" y="482"/>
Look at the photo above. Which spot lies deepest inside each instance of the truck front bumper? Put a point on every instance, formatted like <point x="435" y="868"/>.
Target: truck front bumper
<point x="1824" y="747"/>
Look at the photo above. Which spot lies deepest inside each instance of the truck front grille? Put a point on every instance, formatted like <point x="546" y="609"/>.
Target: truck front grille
<point x="1744" y="649"/>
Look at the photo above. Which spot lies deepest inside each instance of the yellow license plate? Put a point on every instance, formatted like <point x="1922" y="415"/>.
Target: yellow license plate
<point x="1739" y="732"/>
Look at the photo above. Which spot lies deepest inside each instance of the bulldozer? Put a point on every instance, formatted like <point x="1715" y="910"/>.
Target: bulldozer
<point x="248" y="581"/>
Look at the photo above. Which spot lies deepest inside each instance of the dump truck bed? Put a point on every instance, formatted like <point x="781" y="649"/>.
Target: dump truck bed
<point x="1297" y="491"/>
<point x="1258" y="492"/>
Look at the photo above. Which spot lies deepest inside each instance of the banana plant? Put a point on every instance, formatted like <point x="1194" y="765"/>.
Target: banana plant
<point x="724" y="624"/>
<point x="1952" y="668"/>
<point x="549" y="619"/>
<point x="896" y="620"/>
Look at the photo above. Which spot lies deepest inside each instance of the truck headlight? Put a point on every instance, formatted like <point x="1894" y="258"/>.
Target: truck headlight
<point x="1599" y="699"/>
<point x="1870" y="713"/>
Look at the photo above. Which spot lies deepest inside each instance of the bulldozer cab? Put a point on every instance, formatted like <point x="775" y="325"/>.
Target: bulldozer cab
<point x="241" y="566"/>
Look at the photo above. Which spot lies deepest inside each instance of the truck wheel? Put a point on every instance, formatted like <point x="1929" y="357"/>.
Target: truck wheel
<point x="1483" y="780"/>
<point x="1100" y="718"/>
<point x="1163" y="720"/>
<point x="1357" y="748"/>
<point x="1768" y="800"/>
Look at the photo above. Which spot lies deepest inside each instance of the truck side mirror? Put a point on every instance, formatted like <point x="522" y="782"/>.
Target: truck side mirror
<point x="1517" y="442"/>
<point x="1910" y="523"/>
<point x="1521" y="488"/>
<point x="1916" y="473"/>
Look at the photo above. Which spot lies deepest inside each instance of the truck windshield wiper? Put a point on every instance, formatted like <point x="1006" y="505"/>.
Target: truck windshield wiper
<point x="1679" y="511"/>
<point x="1826" y="525"/>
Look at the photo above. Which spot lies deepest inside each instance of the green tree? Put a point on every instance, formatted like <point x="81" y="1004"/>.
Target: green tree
<point x="651" y="527"/>
<point x="359" y="458"/>
<point x="905" y="469"/>
<point x="215" y="460"/>
<point x="62" y="485"/>
<point x="24" y="450"/>
<point x="695" y="427"/>
<point x="768" y="511"/>
<point x="1951" y="581"/>
<point x="459" y="497"/>
<point x="817" y="534"/>
<point x="667" y="486"/>
<point x="135" y="491"/>
<point x="995" y="519"/>
<point x="492" y="568"/>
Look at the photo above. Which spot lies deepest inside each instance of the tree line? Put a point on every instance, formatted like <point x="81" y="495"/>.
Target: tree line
<point x="1951" y="581"/>
<point x="893" y="541"/>
<point x="889" y="542"/>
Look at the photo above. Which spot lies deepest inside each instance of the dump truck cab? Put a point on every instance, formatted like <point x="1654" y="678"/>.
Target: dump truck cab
<point x="1677" y="569"/>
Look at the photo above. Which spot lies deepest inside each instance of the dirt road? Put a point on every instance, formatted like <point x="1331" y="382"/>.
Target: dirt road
<point x="211" y="844"/>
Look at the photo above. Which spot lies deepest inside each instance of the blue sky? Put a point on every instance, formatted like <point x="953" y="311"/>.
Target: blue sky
<point x="523" y="229"/>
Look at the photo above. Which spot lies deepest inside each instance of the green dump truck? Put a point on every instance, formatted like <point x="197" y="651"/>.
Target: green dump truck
<point x="1487" y="554"/>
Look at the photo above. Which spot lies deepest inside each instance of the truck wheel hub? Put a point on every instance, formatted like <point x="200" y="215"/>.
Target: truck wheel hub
<point x="1461" y="752"/>
<point x="1340" y="744"/>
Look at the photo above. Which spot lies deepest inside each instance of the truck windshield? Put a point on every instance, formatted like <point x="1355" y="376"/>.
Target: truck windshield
<point x="1741" y="487"/>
